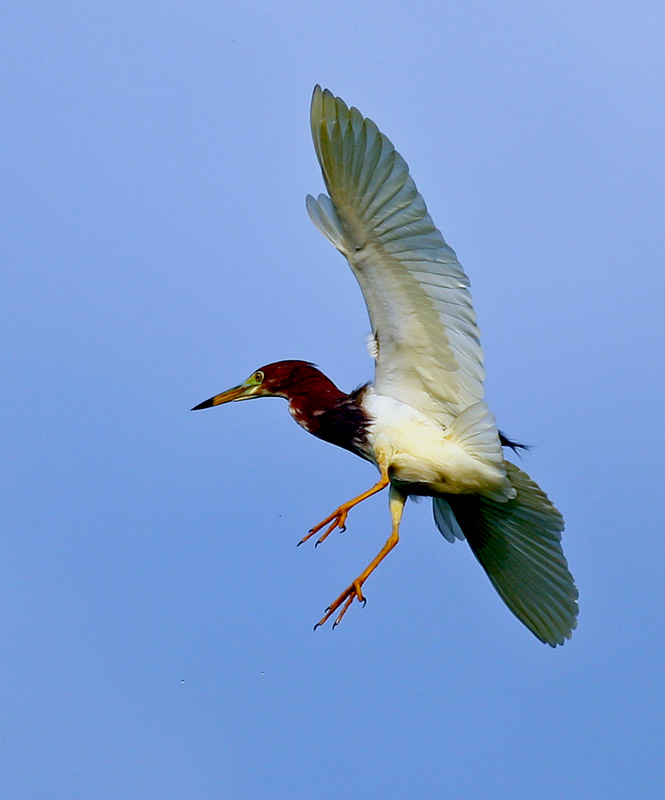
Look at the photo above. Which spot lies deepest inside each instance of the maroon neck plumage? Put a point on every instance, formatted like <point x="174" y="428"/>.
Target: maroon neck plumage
<point x="317" y="404"/>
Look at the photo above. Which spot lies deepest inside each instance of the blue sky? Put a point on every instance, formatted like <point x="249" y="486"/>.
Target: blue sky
<point x="155" y="615"/>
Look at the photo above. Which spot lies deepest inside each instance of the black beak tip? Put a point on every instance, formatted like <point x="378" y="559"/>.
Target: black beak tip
<point x="204" y="404"/>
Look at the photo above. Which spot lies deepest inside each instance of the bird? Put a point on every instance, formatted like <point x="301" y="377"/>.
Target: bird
<point x="423" y="422"/>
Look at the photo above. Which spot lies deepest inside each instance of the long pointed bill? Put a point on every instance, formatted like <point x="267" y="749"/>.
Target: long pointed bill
<point x="241" y="392"/>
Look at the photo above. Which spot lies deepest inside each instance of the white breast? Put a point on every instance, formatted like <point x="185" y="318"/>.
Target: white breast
<point x="419" y="450"/>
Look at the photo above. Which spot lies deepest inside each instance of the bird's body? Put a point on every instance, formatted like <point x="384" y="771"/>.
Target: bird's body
<point x="423" y="423"/>
<point x="424" y="457"/>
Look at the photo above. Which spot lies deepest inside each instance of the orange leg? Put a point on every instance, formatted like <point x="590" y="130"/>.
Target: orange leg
<point x="338" y="518"/>
<point x="354" y="591"/>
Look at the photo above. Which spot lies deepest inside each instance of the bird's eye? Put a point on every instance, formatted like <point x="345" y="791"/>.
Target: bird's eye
<point x="258" y="377"/>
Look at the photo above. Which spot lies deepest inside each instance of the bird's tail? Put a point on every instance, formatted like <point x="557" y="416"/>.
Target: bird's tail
<point x="518" y="544"/>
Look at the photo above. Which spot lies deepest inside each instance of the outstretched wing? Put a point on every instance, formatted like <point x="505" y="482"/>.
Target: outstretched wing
<point x="427" y="344"/>
<point x="518" y="544"/>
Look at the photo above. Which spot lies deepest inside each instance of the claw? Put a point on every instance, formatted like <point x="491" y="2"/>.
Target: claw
<point x="336" y="521"/>
<point x="307" y="536"/>
<point x="351" y="593"/>
<point x="327" y="613"/>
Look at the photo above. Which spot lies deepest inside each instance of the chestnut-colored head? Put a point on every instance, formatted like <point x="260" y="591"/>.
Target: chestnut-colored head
<point x="287" y="379"/>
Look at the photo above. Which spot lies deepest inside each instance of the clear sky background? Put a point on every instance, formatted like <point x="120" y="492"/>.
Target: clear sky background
<point x="155" y="615"/>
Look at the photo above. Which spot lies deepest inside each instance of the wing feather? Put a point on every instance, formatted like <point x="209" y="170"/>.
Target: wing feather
<point x="518" y="544"/>
<point x="416" y="292"/>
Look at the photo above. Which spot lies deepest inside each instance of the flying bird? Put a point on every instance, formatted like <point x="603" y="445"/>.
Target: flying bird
<point x="423" y="422"/>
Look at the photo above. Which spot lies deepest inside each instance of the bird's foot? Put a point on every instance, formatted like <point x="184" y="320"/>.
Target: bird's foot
<point x="351" y="593"/>
<point x="336" y="520"/>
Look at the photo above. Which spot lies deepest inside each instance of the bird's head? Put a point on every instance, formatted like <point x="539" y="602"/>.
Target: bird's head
<point x="281" y="379"/>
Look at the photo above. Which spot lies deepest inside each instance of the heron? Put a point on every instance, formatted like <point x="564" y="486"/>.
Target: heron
<point x="423" y="422"/>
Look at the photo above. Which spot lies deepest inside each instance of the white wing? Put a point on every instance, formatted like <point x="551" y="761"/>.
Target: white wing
<point x="427" y="343"/>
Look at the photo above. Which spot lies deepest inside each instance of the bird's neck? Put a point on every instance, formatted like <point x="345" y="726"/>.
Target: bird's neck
<point x="325" y="411"/>
<point x="313" y="398"/>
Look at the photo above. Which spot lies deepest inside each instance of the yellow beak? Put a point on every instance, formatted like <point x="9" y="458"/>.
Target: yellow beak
<point x="242" y="392"/>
